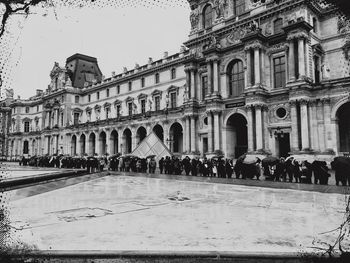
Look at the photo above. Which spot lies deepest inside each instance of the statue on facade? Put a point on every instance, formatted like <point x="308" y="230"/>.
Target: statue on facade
<point x="220" y="6"/>
<point x="254" y="26"/>
<point x="194" y="18"/>
<point x="185" y="94"/>
<point x="134" y="108"/>
<point x="325" y="71"/>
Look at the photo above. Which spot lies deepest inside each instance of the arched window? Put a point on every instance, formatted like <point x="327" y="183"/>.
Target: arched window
<point x="277" y="25"/>
<point x="207" y="16"/>
<point x="236" y="78"/>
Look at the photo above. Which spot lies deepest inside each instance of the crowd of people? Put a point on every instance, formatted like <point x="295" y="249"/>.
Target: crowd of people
<point x="271" y="168"/>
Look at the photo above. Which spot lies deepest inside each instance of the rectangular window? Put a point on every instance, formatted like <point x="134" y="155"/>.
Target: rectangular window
<point x="157" y="102"/>
<point x="76" y="118"/>
<point x="130" y="85"/>
<point x="89" y="115"/>
<point x="143" y="106"/>
<point x="156" y="78"/>
<point x="107" y="93"/>
<point x="37" y="108"/>
<point x="173" y="100"/>
<point x="118" y="89"/>
<point x="173" y="73"/>
<point x="27" y="109"/>
<point x="279" y="72"/>
<point x="98" y="95"/>
<point x="62" y="98"/>
<point x="238" y="7"/>
<point x="26" y="126"/>
<point x="62" y="119"/>
<point x="142" y="82"/>
<point x="89" y="98"/>
<point x="130" y="108"/>
<point x="107" y="112"/>
<point x="76" y="99"/>
<point x="118" y="111"/>
<point x="204" y="86"/>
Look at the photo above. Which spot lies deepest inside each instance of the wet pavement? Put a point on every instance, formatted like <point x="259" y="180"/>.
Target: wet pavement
<point x="119" y="212"/>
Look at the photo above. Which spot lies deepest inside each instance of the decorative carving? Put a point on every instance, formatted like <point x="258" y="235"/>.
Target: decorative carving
<point x="194" y="18"/>
<point x="343" y="25"/>
<point x="325" y="71"/>
<point x="236" y="35"/>
<point x="219" y="7"/>
<point x="277" y="48"/>
<point x="253" y="45"/>
<point x="297" y="35"/>
<point x="268" y="29"/>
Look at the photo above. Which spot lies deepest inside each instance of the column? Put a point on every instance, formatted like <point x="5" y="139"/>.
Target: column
<point x="294" y="120"/>
<point x="258" y="125"/>
<point x="265" y="127"/>
<point x="187" y="135"/>
<point x="210" y="132"/>
<point x="166" y="135"/>
<point x="249" y="67"/>
<point x="257" y="66"/>
<point x="193" y="90"/>
<point x="121" y="145"/>
<point x="320" y="126"/>
<point x="188" y="80"/>
<point x="305" y="144"/>
<point x="301" y="58"/>
<point x="327" y="123"/>
<point x="216" y="130"/>
<point x="215" y="77"/>
<point x="133" y="139"/>
<point x="198" y="86"/>
<point x="250" y="129"/>
<point x="291" y="65"/>
<point x="313" y="124"/>
<point x="193" y="134"/>
<point x="108" y="143"/>
<point x="210" y="77"/>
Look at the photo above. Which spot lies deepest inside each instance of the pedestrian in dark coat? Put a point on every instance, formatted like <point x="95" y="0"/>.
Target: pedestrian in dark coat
<point x="228" y="168"/>
<point x="161" y="165"/>
<point x="194" y="168"/>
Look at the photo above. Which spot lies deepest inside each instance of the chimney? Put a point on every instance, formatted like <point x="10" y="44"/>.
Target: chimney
<point x="113" y="73"/>
<point x="39" y="92"/>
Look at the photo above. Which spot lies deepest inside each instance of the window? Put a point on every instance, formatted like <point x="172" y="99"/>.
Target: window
<point x="207" y="16"/>
<point x="142" y="82"/>
<point x="89" y="98"/>
<point x="26" y="126"/>
<point x="156" y="78"/>
<point x="37" y="124"/>
<point x="27" y="109"/>
<point x="118" y="89"/>
<point x="157" y="103"/>
<point x="76" y="118"/>
<point x="130" y="85"/>
<point x="173" y="73"/>
<point x="118" y="111"/>
<point x="25" y="147"/>
<point x="62" y="119"/>
<point x="173" y="100"/>
<point x="88" y="116"/>
<point x="107" y="93"/>
<point x="37" y="108"/>
<point x="62" y="98"/>
<point x="98" y="95"/>
<point x="108" y="110"/>
<point x="277" y="26"/>
<point x="130" y="108"/>
<point x="238" y="7"/>
<point x="143" y="106"/>
<point x="204" y="86"/>
<point x="279" y="72"/>
<point x="236" y="78"/>
<point x="76" y="99"/>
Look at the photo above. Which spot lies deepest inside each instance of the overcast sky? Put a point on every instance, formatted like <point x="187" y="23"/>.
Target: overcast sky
<point x="116" y="36"/>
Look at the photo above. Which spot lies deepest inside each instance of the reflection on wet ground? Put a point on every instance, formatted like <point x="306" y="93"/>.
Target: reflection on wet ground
<point x="141" y="213"/>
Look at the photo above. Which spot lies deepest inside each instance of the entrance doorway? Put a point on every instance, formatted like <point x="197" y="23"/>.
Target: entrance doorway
<point x="283" y="145"/>
<point x="236" y="135"/>
<point x="343" y="114"/>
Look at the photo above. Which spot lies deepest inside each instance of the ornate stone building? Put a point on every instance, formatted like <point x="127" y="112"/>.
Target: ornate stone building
<point x="257" y="76"/>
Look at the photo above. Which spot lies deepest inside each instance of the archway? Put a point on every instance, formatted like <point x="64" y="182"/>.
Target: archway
<point x="74" y="145"/>
<point x="141" y="134"/>
<point x="158" y="130"/>
<point x="82" y="142"/>
<point x="176" y="138"/>
<point x="236" y="136"/>
<point x="92" y="144"/>
<point x="127" y="141"/>
<point x="103" y="143"/>
<point x="25" y="147"/>
<point x="343" y="114"/>
<point x="114" y="142"/>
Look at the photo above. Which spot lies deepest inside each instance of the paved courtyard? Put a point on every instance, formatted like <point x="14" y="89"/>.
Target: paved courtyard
<point x="119" y="212"/>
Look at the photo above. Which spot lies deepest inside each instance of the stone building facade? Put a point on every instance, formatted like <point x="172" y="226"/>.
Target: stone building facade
<point x="267" y="77"/>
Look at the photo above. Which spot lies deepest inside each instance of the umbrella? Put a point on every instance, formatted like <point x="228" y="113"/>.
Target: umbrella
<point x="271" y="160"/>
<point x="341" y="162"/>
<point x="250" y="159"/>
<point x="218" y="156"/>
<point x="151" y="156"/>
<point x="130" y="156"/>
<point x="301" y="158"/>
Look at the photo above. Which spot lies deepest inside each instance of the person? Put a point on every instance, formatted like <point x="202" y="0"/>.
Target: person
<point x="152" y="166"/>
<point x="138" y="166"/>
<point x="289" y="170"/>
<point x="296" y="171"/>
<point x="280" y="172"/>
<point x="229" y="168"/>
<point x="187" y="165"/>
<point x="161" y="165"/>
<point x="205" y="168"/>
<point x="194" y="167"/>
